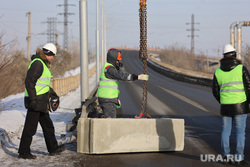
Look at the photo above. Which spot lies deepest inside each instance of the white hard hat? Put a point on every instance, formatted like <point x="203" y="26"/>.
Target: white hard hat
<point x="49" y="49"/>
<point x="228" y="49"/>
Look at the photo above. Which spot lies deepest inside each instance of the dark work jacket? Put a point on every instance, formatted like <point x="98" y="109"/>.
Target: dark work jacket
<point x="33" y="74"/>
<point x="228" y="64"/>
<point x="114" y="72"/>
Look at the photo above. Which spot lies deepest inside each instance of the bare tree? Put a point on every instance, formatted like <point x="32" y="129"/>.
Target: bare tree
<point x="5" y="62"/>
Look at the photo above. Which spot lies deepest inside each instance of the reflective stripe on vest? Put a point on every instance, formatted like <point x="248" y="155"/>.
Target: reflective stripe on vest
<point x="108" y="88"/>
<point x="231" y="85"/>
<point x="43" y="83"/>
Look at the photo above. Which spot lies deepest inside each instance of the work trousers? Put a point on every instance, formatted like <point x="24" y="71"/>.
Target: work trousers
<point x="109" y="109"/>
<point x="30" y="128"/>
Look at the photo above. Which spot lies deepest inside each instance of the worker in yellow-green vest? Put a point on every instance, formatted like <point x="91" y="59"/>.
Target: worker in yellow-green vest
<point x="108" y="91"/>
<point x="231" y="87"/>
<point x="37" y="94"/>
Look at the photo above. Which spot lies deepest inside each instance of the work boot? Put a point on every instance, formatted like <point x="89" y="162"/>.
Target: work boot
<point x="59" y="149"/>
<point x="27" y="156"/>
<point x="226" y="162"/>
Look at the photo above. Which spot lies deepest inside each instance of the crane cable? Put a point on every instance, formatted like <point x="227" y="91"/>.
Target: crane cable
<point x="143" y="55"/>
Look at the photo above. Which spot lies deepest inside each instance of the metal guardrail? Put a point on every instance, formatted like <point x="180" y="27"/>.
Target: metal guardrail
<point x="179" y="76"/>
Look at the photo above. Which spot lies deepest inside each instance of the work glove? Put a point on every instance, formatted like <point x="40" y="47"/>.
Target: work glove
<point x="118" y="104"/>
<point x="143" y="77"/>
<point x="53" y="94"/>
<point x="33" y="105"/>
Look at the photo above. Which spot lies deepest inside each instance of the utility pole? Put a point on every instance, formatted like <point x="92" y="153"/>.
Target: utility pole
<point x="192" y="33"/>
<point x="29" y="35"/>
<point x="65" y="33"/>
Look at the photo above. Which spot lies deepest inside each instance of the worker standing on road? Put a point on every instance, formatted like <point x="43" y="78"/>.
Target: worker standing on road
<point x="37" y="93"/>
<point x="231" y="87"/>
<point x="108" y="91"/>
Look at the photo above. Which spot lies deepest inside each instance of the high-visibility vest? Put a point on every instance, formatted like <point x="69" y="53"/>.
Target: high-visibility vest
<point x="43" y="83"/>
<point x="108" y="88"/>
<point x="231" y="85"/>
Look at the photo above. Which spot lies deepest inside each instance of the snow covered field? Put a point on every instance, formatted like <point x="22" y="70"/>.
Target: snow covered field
<point x="11" y="124"/>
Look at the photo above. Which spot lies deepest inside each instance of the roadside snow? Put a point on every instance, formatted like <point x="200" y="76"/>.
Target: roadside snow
<point x="76" y="71"/>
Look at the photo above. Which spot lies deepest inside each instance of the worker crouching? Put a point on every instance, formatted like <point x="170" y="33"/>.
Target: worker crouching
<point x="108" y="90"/>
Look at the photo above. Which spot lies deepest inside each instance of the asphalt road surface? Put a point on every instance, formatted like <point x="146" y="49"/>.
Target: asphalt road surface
<point x="173" y="99"/>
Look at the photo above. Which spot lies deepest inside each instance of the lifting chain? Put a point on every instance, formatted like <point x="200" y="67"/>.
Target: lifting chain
<point x="143" y="55"/>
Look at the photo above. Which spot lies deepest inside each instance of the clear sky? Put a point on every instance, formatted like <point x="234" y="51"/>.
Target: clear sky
<point x="166" y="22"/>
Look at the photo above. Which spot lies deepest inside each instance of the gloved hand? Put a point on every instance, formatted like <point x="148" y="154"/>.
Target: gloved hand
<point x="33" y="105"/>
<point x="143" y="77"/>
<point x="118" y="104"/>
<point x="53" y="93"/>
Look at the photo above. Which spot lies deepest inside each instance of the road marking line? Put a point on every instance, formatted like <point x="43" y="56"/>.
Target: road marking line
<point x="185" y="99"/>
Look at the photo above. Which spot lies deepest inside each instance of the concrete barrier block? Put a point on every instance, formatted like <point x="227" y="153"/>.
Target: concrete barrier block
<point x="124" y="135"/>
<point x="83" y="135"/>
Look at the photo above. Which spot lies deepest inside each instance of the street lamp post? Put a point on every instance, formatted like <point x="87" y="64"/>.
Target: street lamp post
<point x="84" y="50"/>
